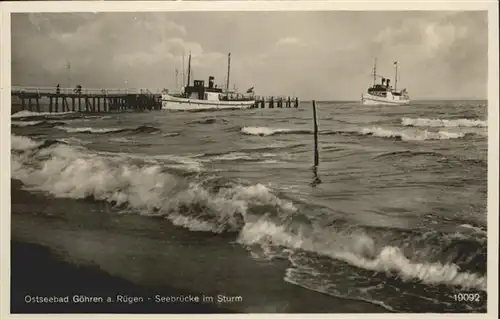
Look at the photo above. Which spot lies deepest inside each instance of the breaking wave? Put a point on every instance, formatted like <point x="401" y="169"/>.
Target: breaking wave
<point x="210" y="121"/>
<point x="22" y="114"/>
<point x="44" y="124"/>
<point x="404" y="135"/>
<point x="25" y="123"/>
<point x="245" y="157"/>
<point x="424" y="122"/>
<point x="91" y="130"/>
<point x="268" y="131"/>
<point x="256" y="214"/>
<point x="411" y="135"/>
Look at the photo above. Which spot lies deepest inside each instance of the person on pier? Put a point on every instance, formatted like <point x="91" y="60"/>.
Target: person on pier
<point x="78" y="89"/>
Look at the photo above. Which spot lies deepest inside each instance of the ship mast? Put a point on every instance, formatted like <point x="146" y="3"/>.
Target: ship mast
<point x="396" y="77"/>
<point x="189" y="69"/>
<point x="228" y="70"/>
<point x="183" y="70"/>
<point x="176" y="78"/>
<point x="375" y="71"/>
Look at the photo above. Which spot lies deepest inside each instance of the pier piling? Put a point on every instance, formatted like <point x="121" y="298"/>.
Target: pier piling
<point x="37" y="99"/>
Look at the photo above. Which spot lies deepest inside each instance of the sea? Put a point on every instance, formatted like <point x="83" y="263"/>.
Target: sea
<point x="227" y="202"/>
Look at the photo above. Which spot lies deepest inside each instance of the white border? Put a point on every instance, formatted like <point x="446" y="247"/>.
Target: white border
<point x="6" y="8"/>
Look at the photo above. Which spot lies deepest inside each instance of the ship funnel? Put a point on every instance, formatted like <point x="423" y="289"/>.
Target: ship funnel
<point x="383" y="81"/>
<point x="211" y="82"/>
<point x="388" y="81"/>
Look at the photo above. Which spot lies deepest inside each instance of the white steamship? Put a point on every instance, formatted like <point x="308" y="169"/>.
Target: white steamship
<point x="384" y="93"/>
<point x="201" y="97"/>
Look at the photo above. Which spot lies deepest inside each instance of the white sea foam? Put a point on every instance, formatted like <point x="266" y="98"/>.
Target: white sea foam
<point x="69" y="171"/>
<point x="88" y="129"/>
<point x="22" y="143"/>
<point x="190" y="163"/>
<point x="425" y="122"/>
<point x="236" y="156"/>
<point x="408" y="135"/>
<point x="233" y="156"/>
<point x="25" y="123"/>
<point x="359" y="250"/>
<point x="268" y="131"/>
<point x="73" y="140"/>
<point x="31" y="114"/>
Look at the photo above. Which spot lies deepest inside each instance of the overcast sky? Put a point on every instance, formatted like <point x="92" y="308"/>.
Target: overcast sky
<point x="315" y="55"/>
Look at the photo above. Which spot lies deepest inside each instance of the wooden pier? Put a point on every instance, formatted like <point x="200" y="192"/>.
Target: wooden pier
<point x="111" y="100"/>
<point x="276" y="102"/>
<point x="88" y="100"/>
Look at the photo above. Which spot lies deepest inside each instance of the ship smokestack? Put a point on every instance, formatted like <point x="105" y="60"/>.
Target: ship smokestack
<point x="388" y="81"/>
<point x="211" y="82"/>
<point x="383" y="81"/>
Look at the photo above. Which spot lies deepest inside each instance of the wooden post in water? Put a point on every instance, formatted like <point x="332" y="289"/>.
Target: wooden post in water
<point x="73" y="103"/>
<point x="29" y="105"/>
<point x="57" y="104"/>
<point x="37" y="98"/>
<point x="315" y="120"/>
<point x="316" y="179"/>
<point x="50" y="104"/>
<point x="23" y="103"/>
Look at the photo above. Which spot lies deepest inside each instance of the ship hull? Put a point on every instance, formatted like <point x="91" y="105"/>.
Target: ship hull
<point x="368" y="99"/>
<point x="169" y="102"/>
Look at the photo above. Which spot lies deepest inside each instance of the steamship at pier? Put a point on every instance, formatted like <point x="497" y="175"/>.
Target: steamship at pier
<point x="201" y="97"/>
<point x="384" y="93"/>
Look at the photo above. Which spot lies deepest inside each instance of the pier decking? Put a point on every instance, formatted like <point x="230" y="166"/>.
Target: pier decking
<point x="112" y="100"/>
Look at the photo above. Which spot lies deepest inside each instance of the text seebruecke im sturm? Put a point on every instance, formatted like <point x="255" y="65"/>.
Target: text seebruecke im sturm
<point x="79" y="299"/>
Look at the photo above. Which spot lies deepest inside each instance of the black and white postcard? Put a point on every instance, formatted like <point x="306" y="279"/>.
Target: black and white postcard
<point x="249" y="157"/>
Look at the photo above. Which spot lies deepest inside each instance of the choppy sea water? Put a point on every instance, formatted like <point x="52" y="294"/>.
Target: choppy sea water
<point x="398" y="219"/>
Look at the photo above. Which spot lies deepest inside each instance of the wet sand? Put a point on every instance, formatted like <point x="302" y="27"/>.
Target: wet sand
<point x="36" y="271"/>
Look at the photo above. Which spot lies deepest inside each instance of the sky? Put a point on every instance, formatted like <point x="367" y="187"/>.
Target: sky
<point x="322" y="55"/>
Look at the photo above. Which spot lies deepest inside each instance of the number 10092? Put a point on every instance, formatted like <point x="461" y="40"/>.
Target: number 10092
<point x="467" y="297"/>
